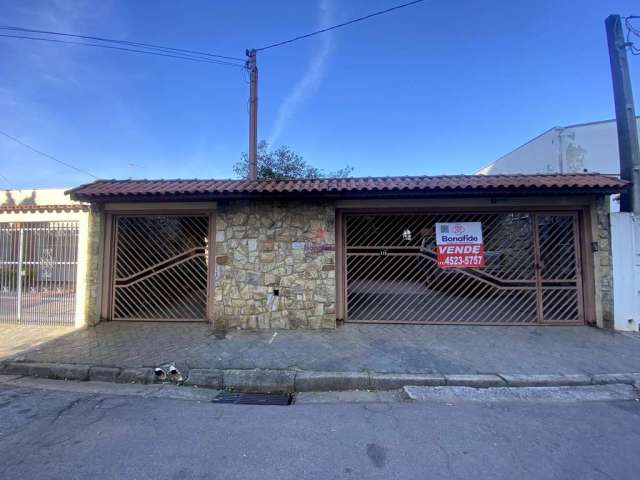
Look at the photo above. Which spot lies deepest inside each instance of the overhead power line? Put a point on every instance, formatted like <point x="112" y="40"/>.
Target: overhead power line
<point x="40" y="152"/>
<point x="112" y="47"/>
<point x="317" y="32"/>
<point x="6" y="180"/>
<point x="122" y="42"/>
<point x="632" y="29"/>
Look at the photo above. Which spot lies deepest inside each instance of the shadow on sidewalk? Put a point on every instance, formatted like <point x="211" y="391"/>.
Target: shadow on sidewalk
<point x="448" y="349"/>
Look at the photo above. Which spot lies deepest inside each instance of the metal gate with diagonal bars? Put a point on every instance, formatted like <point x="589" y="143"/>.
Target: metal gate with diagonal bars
<point x="38" y="270"/>
<point x="160" y="267"/>
<point x="531" y="274"/>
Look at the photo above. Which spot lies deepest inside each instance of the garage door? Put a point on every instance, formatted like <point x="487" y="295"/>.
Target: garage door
<point x="531" y="273"/>
<point x="160" y="268"/>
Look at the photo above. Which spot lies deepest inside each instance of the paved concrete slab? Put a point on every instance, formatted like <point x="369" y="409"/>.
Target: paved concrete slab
<point x="438" y="349"/>
<point x="15" y="339"/>
<point x="593" y="393"/>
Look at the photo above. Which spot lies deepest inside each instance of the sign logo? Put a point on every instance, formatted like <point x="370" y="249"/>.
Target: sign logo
<point x="459" y="245"/>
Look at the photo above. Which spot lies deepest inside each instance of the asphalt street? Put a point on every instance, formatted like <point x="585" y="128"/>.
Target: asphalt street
<point x="47" y="434"/>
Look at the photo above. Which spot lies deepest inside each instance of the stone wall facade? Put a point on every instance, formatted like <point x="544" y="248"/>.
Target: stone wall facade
<point x="275" y="265"/>
<point x="604" y="260"/>
<point x="95" y="252"/>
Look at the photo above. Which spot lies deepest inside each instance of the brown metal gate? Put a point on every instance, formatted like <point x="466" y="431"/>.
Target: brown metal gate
<point x="531" y="274"/>
<point x="160" y="267"/>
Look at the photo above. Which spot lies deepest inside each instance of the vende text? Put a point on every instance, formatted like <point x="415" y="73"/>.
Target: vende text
<point x="460" y="256"/>
<point x="456" y="249"/>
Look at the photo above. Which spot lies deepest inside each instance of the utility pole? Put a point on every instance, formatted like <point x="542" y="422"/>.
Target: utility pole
<point x="625" y="114"/>
<point x="253" y="114"/>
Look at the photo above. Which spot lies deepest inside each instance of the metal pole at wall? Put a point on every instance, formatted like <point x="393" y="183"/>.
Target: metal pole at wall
<point x="625" y="114"/>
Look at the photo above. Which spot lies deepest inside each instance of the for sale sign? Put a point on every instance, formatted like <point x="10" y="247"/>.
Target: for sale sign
<point x="459" y="245"/>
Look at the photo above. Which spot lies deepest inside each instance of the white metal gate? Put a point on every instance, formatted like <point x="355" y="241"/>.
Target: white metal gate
<point x="38" y="269"/>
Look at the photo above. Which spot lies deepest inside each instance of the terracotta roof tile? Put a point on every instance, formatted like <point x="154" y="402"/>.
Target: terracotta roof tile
<point x="104" y="190"/>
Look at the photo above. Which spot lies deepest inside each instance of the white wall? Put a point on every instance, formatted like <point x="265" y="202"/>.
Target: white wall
<point x="590" y="147"/>
<point x="539" y="155"/>
<point x="625" y="243"/>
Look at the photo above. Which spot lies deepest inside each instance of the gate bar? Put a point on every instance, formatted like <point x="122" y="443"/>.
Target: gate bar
<point x="19" y="274"/>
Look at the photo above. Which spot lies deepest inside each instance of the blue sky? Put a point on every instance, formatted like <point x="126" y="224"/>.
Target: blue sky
<point x="440" y="87"/>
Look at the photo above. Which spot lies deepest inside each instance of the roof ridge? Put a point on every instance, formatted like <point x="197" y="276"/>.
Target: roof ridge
<point x="420" y="184"/>
<point x="324" y="179"/>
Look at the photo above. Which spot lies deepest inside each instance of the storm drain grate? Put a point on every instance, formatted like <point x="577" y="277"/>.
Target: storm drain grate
<point x="254" y="398"/>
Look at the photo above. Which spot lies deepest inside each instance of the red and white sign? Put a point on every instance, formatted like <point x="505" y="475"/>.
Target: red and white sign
<point x="459" y="245"/>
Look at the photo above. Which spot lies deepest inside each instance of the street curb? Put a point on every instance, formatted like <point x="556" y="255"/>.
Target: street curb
<point x="393" y="381"/>
<point x="331" y="381"/>
<point x="271" y="380"/>
<point x="578" y="380"/>
<point x="476" y="381"/>
<point x="203" y="377"/>
<point x="257" y="380"/>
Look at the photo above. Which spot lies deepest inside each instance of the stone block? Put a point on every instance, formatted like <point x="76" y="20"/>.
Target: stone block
<point x="329" y="321"/>
<point x="254" y="279"/>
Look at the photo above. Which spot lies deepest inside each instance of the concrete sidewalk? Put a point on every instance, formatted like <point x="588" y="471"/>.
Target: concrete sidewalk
<point x="438" y="349"/>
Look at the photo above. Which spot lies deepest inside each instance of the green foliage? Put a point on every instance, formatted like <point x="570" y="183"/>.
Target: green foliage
<point x="283" y="164"/>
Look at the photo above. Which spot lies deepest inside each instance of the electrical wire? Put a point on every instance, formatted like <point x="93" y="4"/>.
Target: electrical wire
<point x="122" y="42"/>
<point x="40" y="152"/>
<point x="631" y="29"/>
<point x="6" y="180"/>
<point x="317" y="32"/>
<point x="111" y="47"/>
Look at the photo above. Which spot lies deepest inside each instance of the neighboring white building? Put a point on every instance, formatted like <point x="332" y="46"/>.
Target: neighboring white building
<point x="582" y="148"/>
<point x="585" y="147"/>
<point x="43" y="257"/>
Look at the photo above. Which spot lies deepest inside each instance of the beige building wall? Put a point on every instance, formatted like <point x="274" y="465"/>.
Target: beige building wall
<point x="52" y="205"/>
